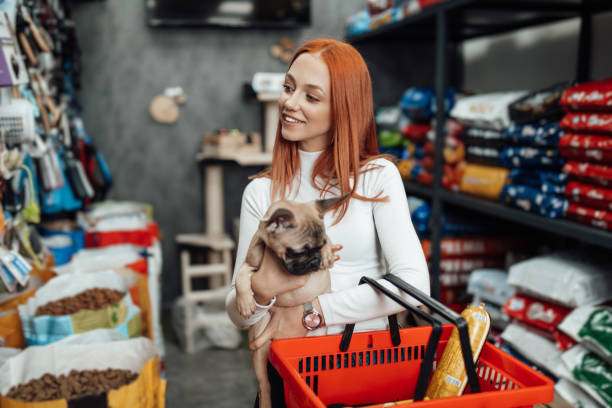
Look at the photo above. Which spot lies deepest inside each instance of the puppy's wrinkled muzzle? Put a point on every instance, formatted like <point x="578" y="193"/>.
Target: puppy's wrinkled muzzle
<point x="298" y="268"/>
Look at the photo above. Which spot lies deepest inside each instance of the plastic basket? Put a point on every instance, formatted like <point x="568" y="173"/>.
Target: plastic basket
<point x="378" y="369"/>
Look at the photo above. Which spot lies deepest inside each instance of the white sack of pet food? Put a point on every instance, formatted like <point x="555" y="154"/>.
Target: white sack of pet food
<point x="487" y="111"/>
<point x="571" y="278"/>
<point x="490" y="285"/>
<point x="534" y="347"/>
<point x="572" y="394"/>
<point x="591" y="326"/>
<point x="122" y="316"/>
<point x="590" y="372"/>
<point x="97" y="259"/>
<point x="138" y="356"/>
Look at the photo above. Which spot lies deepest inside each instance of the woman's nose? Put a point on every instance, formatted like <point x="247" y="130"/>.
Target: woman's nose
<point x="291" y="102"/>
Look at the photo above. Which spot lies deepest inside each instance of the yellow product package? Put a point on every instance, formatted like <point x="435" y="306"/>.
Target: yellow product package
<point x="484" y="181"/>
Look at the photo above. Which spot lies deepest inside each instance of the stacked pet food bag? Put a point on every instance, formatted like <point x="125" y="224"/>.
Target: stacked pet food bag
<point x="381" y="12"/>
<point x="467" y="245"/>
<point x="561" y="323"/>
<point x="511" y="149"/>
<point x="79" y="292"/>
<point x="408" y="130"/>
<point x="587" y="147"/>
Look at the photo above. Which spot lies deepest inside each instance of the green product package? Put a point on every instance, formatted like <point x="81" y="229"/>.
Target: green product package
<point x="597" y="374"/>
<point x="598" y="328"/>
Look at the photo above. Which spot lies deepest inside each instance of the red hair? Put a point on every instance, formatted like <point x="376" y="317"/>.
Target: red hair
<point x="353" y="131"/>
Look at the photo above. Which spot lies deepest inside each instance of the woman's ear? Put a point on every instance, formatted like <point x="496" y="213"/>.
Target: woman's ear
<point x="325" y="205"/>
<point x="280" y="221"/>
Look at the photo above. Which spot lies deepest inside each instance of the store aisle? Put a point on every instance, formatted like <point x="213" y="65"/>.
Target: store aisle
<point x="209" y="378"/>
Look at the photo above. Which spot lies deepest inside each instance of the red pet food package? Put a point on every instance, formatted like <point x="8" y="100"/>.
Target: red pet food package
<point x="587" y="122"/>
<point x="597" y="218"/>
<point x="589" y="173"/>
<point x="417" y="132"/>
<point x="587" y="195"/>
<point x="589" y="96"/>
<point x="476" y="246"/>
<point x="589" y="148"/>
<point x="535" y="312"/>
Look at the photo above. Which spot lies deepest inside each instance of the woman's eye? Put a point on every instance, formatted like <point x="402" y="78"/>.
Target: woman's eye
<point x="286" y="88"/>
<point x="312" y="98"/>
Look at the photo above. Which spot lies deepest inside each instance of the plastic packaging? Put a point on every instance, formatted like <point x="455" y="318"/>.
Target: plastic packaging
<point x="591" y="326"/>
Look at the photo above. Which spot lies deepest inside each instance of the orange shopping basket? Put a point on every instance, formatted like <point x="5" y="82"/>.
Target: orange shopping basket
<point x="376" y="369"/>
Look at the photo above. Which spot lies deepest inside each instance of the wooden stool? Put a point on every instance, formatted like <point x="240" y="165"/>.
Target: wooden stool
<point x="218" y="269"/>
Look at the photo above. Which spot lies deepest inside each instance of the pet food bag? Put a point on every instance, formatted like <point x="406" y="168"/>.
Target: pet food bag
<point x="485" y="181"/>
<point x="570" y="278"/>
<point x="541" y="105"/>
<point x="591" y="326"/>
<point x="590" y="148"/>
<point x="589" y="196"/>
<point x="488" y="111"/>
<point x="530" y="344"/>
<point x="115" y="374"/>
<point x="535" y="312"/>
<point x="589" y="173"/>
<point x="590" y="372"/>
<point x="597" y="218"/>
<point x="594" y="96"/>
<point x="67" y="305"/>
<point x="490" y="285"/>
<point x="588" y="123"/>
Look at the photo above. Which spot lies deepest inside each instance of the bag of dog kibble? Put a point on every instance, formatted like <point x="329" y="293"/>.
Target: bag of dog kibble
<point x="116" y="374"/>
<point x="73" y="304"/>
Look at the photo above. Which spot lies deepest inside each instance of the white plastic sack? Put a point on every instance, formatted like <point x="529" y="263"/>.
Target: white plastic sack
<point x="591" y="326"/>
<point x="490" y="285"/>
<point x="572" y="278"/>
<point x="488" y="111"/>
<point x="59" y="359"/>
<point x="97" y="259"/>
<point x="537" y="349"/>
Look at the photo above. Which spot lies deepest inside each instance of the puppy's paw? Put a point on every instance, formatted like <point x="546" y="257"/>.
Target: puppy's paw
<point x="245" y="305"/>
<point x="327" y="257"/>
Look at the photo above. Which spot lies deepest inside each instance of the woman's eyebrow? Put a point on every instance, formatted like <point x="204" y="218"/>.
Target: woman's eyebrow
<point x="311" y="86"/>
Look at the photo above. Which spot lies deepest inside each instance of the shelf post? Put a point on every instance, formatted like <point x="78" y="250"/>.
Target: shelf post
<point x="441" y="81"/>
<point x="583" y="67"/>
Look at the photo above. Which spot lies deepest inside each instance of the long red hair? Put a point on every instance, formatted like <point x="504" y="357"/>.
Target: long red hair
<point x="353" y="131"/>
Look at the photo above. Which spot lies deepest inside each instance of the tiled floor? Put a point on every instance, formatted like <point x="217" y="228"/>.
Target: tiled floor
<point x="209" y="378"/>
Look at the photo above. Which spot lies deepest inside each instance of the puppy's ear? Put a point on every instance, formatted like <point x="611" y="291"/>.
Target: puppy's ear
<point x="325" y="205"/>
<point x="280" y="221"/>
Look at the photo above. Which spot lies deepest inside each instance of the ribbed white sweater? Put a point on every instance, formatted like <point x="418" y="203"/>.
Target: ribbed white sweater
<point x="369" y="233"/>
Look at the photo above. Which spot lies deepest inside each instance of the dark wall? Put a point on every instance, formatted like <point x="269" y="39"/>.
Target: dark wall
<point x="126" y="63"/>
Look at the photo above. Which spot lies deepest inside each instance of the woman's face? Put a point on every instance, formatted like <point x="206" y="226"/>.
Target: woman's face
<point x="304" y="104"/>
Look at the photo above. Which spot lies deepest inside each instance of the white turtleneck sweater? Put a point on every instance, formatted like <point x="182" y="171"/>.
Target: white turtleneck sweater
<point x="369" y="233"/>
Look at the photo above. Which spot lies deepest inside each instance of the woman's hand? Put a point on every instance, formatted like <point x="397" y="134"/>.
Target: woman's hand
<point x="285" y="322"/>
<point x="271" y="280"/>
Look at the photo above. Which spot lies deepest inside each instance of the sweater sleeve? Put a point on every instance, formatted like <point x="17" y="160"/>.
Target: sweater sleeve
<point x="401" y="249"/>
<point x="253" y="207"/>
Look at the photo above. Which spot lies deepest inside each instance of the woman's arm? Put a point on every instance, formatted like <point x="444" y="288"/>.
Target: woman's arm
<point x="401" y="248"/>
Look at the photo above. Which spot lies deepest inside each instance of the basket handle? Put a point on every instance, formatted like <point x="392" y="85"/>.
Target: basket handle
<point x="432" y="344"/>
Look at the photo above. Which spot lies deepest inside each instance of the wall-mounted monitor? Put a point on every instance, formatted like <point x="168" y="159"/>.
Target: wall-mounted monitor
<point x="228" y="13"/>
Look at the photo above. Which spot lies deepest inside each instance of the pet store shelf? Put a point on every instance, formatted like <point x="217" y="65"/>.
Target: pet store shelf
<point x="477" y="18"/>
<point x="566" y="228"/>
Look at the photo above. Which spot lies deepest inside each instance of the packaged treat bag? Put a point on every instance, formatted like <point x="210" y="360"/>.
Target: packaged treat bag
<point x="539" y="106"/>
<point x="570" y="278"/>
<point x="533" y="200"/>
<point x="591" y="326"/>
<point x="592" y="374"/>
<point x="490" y="285"/>
<point x="485" y="181"/>
<point x="588" y="123"/>
<point x="544" y="135"/>
<point x="574" y="395"/>
<point x="534" y="347"/>
<point x="594" y="96"/>
<point x="597" y="218"/>
<point x="116" y="374"/>
<point x="587" y="195"/>
<point x="67" y="305"/>
<point x="590" y="148"/>
<point x="535" y="312"/>
<point x="589" y="173"/>
<point x="488" y="111"/>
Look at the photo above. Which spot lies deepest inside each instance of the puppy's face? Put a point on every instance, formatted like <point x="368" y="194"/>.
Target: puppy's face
<point x="296" y="233"/>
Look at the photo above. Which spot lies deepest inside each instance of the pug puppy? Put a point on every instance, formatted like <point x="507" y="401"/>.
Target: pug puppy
<point x="295" y="234"/>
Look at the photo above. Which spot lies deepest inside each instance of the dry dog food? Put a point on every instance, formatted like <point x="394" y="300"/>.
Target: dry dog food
<point x="91" y="299"/>
<point x="75" y="384"/>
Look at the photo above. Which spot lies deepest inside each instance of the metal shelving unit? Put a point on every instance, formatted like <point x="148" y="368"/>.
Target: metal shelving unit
<point x="457" y="20"/>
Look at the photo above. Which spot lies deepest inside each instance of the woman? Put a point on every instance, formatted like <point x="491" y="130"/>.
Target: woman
<point x="325" y="147"/>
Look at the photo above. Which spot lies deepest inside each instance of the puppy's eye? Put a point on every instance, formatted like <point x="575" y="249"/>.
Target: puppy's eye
<point x="292" y="253"/>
